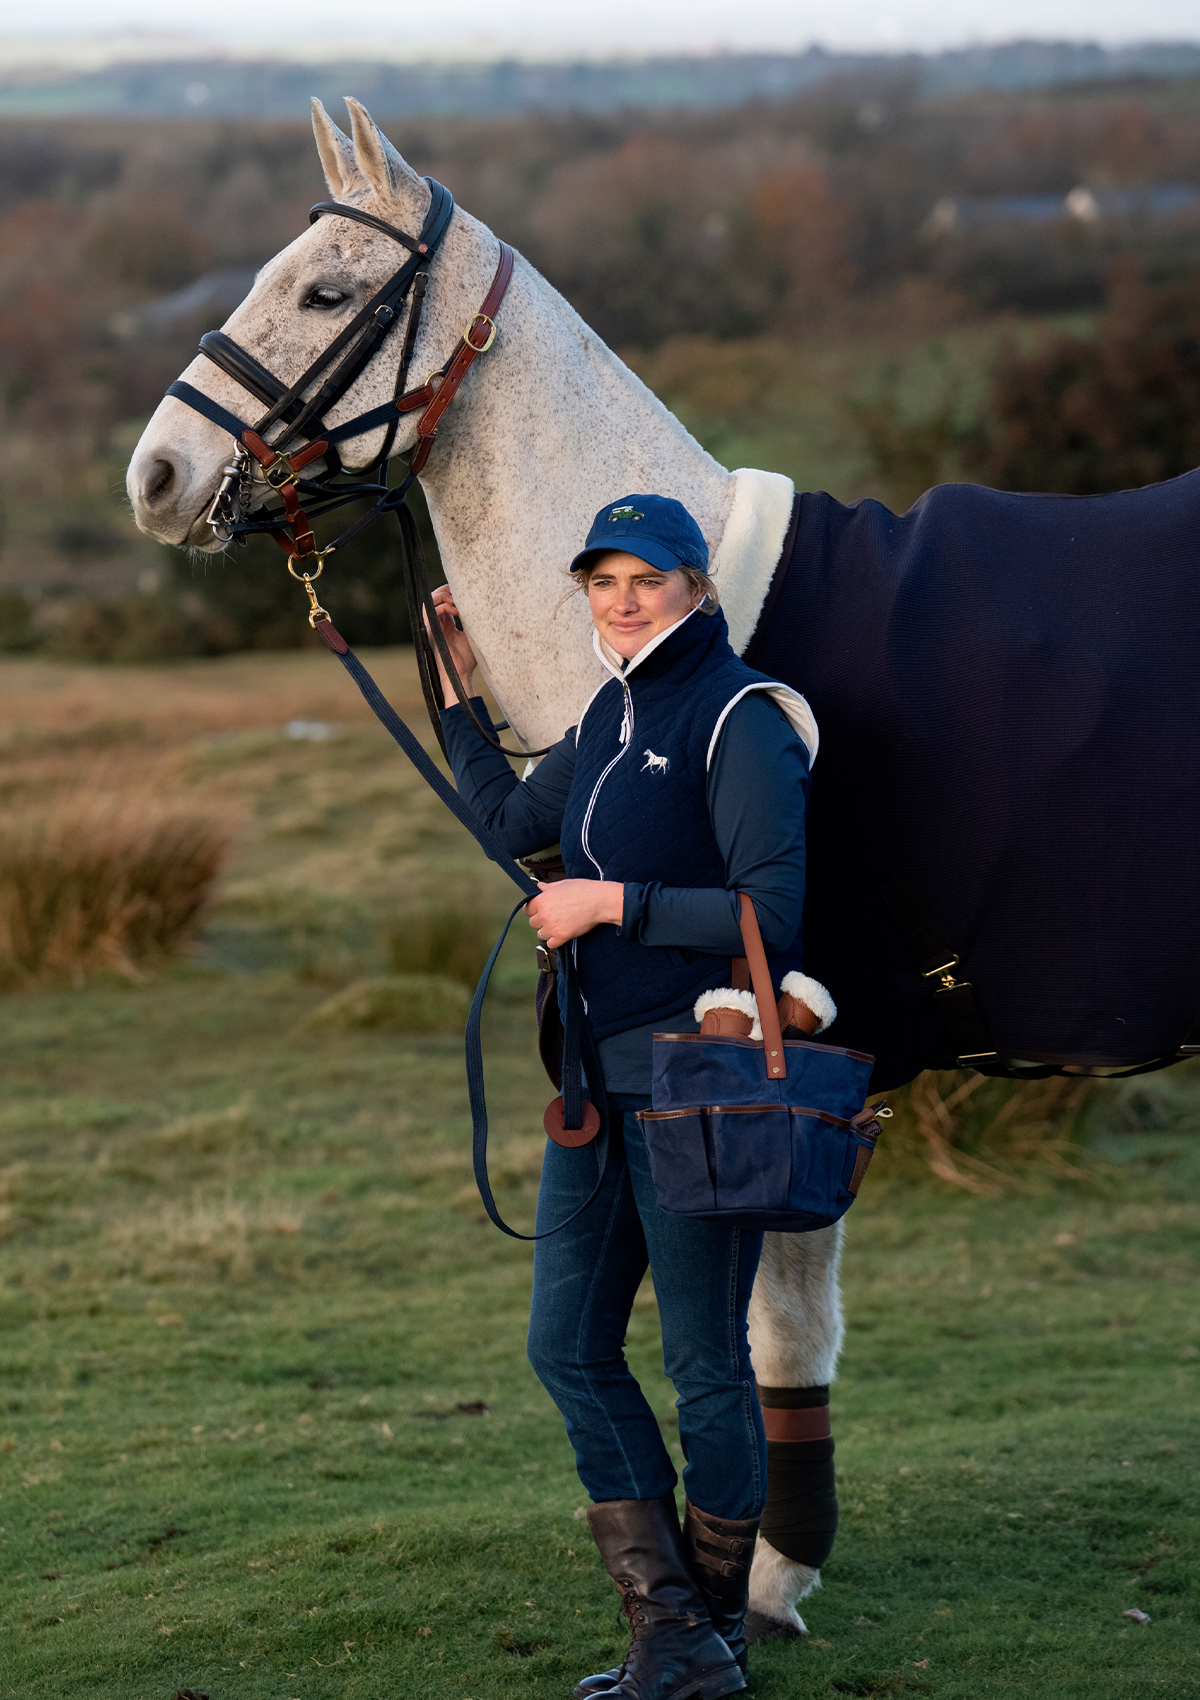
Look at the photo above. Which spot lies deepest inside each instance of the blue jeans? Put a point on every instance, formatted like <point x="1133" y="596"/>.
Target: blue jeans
<point x="584" y="1282"/>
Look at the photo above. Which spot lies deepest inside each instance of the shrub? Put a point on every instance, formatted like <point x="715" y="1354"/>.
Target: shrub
<point x="242" y="599"/>
<point x="138" y="629"/>
<point x="94" y="886"/>
<point x="453" y="940"/>
<point x="17" y="633"/>
<point x="397" y="1003"/>
<point x="1079" y="416"/>
<point x="1111" y="412"/>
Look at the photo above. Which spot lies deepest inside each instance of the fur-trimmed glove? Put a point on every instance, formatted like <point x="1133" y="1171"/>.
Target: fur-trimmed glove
<point x="724" y="1011"/>
<point x="804" y="1005"/>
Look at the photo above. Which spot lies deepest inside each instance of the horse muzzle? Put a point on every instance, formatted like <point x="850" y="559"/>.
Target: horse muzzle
<point x="169" y="497"/>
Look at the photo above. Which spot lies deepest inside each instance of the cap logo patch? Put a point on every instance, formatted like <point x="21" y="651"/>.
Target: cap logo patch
<point x="625" y="513"/>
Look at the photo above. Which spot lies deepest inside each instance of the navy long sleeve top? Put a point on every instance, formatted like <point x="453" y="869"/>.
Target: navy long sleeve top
<point x="756" y="791"/>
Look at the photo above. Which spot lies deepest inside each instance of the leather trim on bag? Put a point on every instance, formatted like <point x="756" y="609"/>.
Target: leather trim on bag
<point x="865" y="1153"/>
<point x="756" y="1044"/>
<point x="741" y="1110"/>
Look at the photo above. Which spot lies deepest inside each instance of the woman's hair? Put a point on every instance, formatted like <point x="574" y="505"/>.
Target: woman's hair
<point x="708" y="598"/>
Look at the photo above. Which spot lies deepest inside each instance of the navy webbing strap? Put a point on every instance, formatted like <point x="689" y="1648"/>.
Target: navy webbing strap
<point x="211" y="409"/>
<point x="384" y="712"/>
<point x="578" y="1033"/>
<point x="576" y="1028"/>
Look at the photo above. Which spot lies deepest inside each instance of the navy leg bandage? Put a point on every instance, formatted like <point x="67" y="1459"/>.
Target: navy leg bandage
<point x="801" y="1517"/>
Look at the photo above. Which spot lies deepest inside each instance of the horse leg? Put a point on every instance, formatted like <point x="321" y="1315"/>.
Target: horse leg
<point x="795" y="1338"/>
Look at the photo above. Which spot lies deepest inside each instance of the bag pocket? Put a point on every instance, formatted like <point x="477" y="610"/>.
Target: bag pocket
<point x="749" y="1155"/>
<point x="823" y="1147"/>
<point x="679" y="1166"/>
<point x="719" y="1159"/>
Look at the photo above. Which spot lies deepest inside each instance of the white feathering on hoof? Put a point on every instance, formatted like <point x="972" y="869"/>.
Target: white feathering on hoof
<point x="776" y="1584"/>
<point x="813" y="993"/>
<point x="724" y="997"/>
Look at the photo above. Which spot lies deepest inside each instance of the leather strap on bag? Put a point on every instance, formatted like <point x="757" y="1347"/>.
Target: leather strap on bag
<point x="760" y="976"/>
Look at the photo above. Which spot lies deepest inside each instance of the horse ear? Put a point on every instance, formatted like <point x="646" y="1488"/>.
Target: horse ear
<point x="376" y="158"/>
<point x="337" y="154"/>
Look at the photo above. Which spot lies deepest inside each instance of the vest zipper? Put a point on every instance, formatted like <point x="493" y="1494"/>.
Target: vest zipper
<point x="626" y="741"/>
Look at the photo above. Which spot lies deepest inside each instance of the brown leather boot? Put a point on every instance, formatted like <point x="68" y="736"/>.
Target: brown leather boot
<point x="674" y="1651"/>
<point x="720" y="1552"/>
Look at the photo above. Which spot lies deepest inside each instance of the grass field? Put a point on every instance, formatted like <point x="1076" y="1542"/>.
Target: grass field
<point x="266" y="1426"/>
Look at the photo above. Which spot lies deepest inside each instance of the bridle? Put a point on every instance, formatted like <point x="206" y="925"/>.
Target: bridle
<point x="300" y="414"/>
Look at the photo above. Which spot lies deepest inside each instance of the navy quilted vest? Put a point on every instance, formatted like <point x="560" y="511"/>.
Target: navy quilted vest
<point x="637" y="811"/>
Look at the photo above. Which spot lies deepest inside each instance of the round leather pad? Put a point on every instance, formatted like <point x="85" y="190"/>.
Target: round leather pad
<point x="552" y="1121"/>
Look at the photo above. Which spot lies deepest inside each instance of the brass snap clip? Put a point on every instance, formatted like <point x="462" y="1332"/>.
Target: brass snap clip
<point x="315" y="612"/>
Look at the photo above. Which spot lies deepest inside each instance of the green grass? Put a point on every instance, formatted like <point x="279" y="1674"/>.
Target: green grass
<point x="247" y="1287"/>
<point x="249" y="1308"/>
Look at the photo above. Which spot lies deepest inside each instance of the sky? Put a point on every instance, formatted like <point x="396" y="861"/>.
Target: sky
<point x="551" y="28"/>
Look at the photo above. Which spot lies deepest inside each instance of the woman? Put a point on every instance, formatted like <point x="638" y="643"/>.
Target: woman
<point x="683" y="784"/>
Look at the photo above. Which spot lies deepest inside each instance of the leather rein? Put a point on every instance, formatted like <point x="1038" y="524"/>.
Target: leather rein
<point x="299" y="414"/>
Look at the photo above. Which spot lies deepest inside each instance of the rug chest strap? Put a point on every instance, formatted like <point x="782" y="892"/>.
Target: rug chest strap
<point x="962" y="1017"/>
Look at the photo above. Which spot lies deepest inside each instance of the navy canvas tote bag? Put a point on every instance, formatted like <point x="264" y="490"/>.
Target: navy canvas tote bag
<point x="768" y="1133"/>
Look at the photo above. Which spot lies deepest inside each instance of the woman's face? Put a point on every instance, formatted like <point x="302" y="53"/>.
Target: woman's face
<point x="632" y="602"/>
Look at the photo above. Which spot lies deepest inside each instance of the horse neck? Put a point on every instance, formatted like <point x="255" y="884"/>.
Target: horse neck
<point x="551" y="428"/>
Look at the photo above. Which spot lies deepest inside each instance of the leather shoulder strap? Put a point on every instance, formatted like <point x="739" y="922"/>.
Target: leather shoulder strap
<point x="760" y="975"/>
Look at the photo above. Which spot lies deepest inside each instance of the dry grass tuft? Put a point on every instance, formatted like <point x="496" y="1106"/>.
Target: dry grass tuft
<point x="986" y="1136"/>
<point x="396" y="1003"/>
<point x="453" y="940"/>
<point x="206" y="1133"/>
<point x="98" y="884"/>
<point x="225" y="1237"/>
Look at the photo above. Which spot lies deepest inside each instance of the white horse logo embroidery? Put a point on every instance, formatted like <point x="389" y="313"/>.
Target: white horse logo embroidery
<point x="656" y="764"/>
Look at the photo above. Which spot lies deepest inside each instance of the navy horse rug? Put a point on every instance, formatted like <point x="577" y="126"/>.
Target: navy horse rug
<point x="1004" y="826"/>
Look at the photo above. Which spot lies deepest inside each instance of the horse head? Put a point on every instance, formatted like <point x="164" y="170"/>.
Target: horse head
<point x="558" y="428"/>
<point x="300" y="301"/>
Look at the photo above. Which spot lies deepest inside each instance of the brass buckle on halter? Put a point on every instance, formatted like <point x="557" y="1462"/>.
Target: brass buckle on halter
<point x="475" y="347"/>
<point x="290" y="475"/>
<point x="315" y="612"/>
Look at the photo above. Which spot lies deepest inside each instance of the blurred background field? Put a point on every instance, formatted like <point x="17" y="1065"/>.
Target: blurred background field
<point x="266" y="1428"/>
<point x="870" y="284"/>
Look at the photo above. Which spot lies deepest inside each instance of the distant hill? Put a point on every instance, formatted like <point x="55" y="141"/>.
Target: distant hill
<point x="278" y="88"/>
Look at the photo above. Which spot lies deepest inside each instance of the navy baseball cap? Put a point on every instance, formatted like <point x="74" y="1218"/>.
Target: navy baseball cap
<point x="658" y="529"/>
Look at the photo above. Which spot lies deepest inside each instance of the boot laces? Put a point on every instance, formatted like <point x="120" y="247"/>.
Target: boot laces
<point x="632" y="1606"/>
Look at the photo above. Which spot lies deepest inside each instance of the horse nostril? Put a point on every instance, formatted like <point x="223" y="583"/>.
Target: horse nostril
<point x="159" y="480"/>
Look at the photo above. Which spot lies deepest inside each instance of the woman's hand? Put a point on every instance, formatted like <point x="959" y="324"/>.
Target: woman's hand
<point x="457" y="643"/>
<point x="565" y="909"/>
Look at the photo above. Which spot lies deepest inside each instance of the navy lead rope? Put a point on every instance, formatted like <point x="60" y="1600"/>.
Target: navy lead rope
<point x="577" y="1035"/>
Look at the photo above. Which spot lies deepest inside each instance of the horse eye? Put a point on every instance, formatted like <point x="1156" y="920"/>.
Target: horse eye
<point x="324" y="296"/>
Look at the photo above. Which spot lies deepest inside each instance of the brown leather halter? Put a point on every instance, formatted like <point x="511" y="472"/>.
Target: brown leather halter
<point x="435" y="395"/>
<point x="298" y="411"/>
